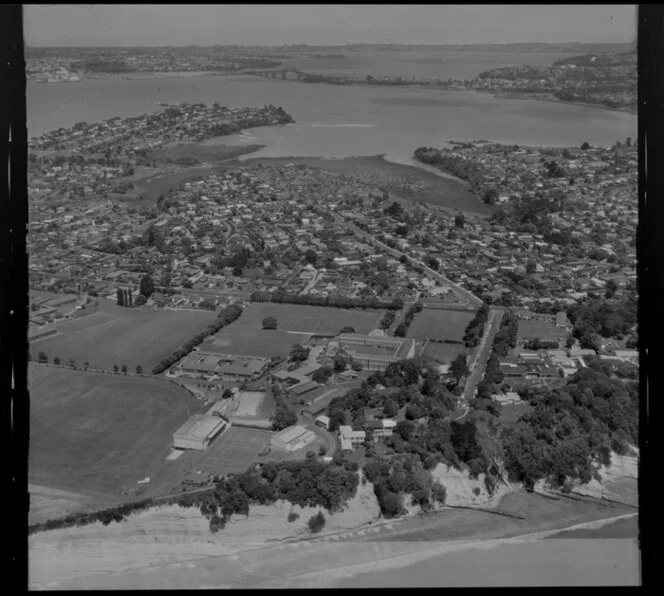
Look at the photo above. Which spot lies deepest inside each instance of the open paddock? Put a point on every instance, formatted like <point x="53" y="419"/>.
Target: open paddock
<point x="101" y="433"/>
<point x="234" y="451"/>
<point x="443" y="353"/>
<point x="302" y="318"/>
<point x="440" y="325"/>
<point x="112" y="334"/>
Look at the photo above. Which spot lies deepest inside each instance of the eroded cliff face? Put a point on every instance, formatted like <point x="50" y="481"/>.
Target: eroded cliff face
<point x="462" y="490"/>
<point x="618" y="481"/>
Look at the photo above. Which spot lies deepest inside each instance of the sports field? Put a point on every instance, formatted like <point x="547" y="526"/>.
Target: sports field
<point x="233" y="451"/>
<point x="111" y="334"/>
<point x="246" y="340"/>
<point x="443" y="353"/>
<point x="98" y="432"/>
<point x="310" y="319"/>
<point x="440" y="325"/>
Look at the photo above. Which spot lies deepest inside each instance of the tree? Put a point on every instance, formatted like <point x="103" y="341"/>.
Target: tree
<point x="283" y="418"/>
<point x="269" y="323"/>
<point x="115" y="369"/>
<point x="86" y="365"/>
<point x="140" y="300"/>
<point x="139" y="369"/>
<point x="337" y="419"/>
<point x="124" y="369"/>
<point x="42" y="357"/>
<point x="56" y="360"/>
<point x="227" y="394"/>
<point x="322" y="450"/>
<point x="120" y="297"/>
<point x="356" y="365"/>
<point x="299" y="353"/>
<point x="585" y="146"/>
<point x="459" y="220"/>
<point x="490" y="196"/>
<point x="531" y="267"/>
<point x="146" y="285"/>
<point x="316" y="523"/>
<point x="347" y="329"/>
<point x="71" y="362"/>
<point x="310" y="256"/>
<point x="322" y="374"/>
<point x="459" y="367"/>
<point x="340" y="362"/>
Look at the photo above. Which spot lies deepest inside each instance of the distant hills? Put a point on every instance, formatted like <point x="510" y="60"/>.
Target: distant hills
<point x="566" y="48"/>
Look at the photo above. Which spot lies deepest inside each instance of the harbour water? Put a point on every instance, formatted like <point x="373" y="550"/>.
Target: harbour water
<point x="336" y="121"/>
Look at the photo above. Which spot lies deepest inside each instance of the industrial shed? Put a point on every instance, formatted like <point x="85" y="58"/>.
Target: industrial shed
<point x="293" y="438"/>
<point x="197" y="432"/>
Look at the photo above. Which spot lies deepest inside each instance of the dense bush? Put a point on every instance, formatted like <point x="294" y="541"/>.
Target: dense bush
<point x="571" y="427"/>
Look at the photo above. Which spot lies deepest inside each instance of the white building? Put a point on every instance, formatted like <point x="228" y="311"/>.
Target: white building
<point x="197" y="432"/>
<point x="349" y="438"/>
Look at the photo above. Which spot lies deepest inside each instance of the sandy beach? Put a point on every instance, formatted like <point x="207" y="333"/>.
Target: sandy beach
<point x="171" y="547"/>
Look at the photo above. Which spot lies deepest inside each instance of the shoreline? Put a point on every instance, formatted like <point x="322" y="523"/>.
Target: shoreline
<point x="323" y="562"/>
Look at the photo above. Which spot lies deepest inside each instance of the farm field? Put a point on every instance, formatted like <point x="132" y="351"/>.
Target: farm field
<point x="443" y="353"/>
<point x="111" y="334"/>
<point x="102" y="433"/>
<point x="440" y="325"/>
<point x="233" y="451"/>
<point x="310" y="319"/>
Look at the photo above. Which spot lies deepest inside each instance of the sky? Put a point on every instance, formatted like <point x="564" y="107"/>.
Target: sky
<point x="327" y="24"/>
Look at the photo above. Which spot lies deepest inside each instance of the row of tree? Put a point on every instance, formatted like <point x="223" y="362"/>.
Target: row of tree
<point x="282" y="417"/>
<point x="281" y="297"/>
<point x="402" y="328"/>
<point x="225" y="317"/>
<point x="475" y="327"/>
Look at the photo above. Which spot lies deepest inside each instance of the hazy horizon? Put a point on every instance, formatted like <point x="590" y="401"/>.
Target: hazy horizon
<point x="324" y="25"/>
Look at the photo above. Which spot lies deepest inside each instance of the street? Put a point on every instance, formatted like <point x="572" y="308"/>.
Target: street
<point x="478" y="363"/>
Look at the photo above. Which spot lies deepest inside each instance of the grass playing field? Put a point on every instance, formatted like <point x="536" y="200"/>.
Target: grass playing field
<point x="294" y="323"/>
<point x="443" y="353"/>
<point x="246" y="340"/>
<point x="234" y="451"/>
<point x="310" y="319"/>
<point x="111" y="334"/>
<point x="97" y="432"/>
<point x="440" y="325"/>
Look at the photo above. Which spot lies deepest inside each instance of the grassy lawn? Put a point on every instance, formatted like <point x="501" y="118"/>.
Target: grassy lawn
<point x="245" y="340"/>
<point x="294" y="323"/>
<point x="112" y="334"/>
<point x="509" y="413"/>
<point x="443" y="353"/>
<point x="440" y="325"/>
<point x="310" y="319"/>
<point x="102" y="432"/>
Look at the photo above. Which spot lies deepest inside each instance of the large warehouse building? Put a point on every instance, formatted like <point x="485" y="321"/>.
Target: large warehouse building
<point x="293" y="438"/>
<point x="197" y="432"/>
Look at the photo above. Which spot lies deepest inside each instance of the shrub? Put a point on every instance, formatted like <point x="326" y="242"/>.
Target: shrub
<point x="316" y="523"/>
<point x="292" y="516"/>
